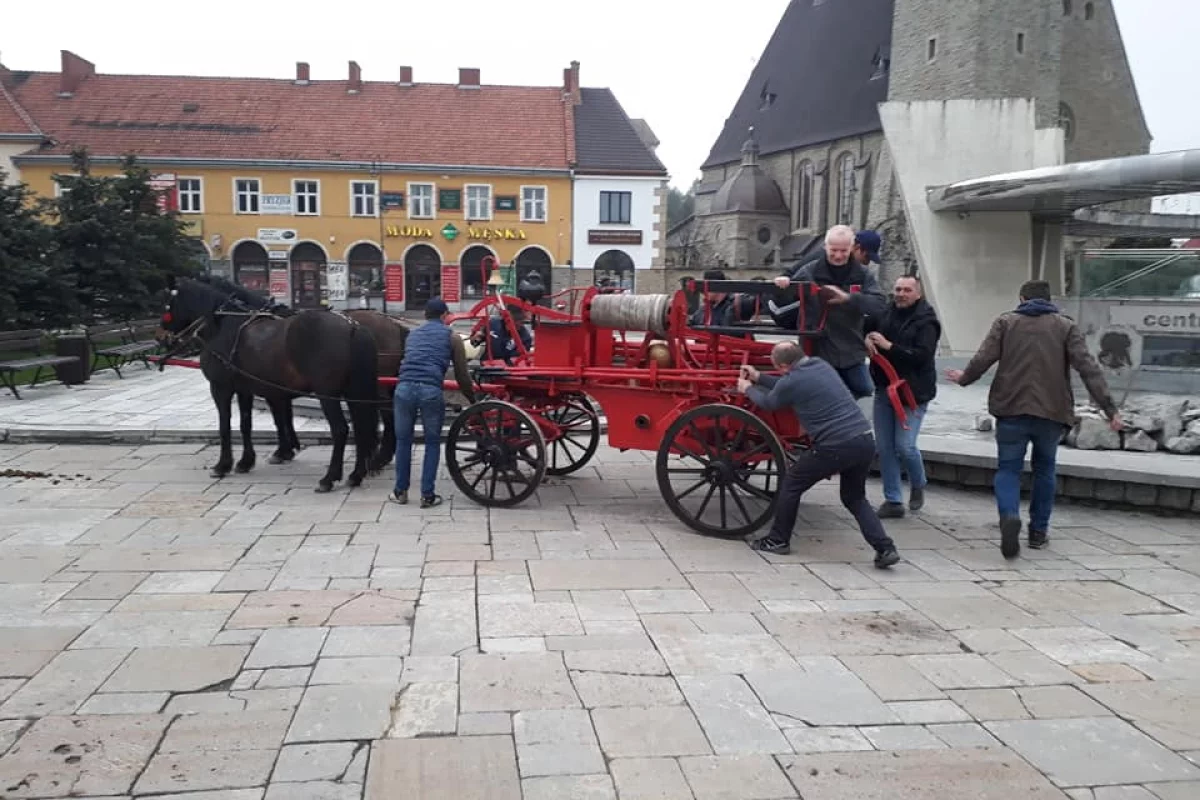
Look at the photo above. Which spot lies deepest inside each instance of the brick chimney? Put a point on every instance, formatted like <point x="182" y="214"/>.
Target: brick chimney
<point x="302" y="73"/>
<point x="406" y="76"/>
<point x="355" y="84"/>
<point x="468" y="78"/>
<point x="571" y="83"/>
<point x="75" y="71"/>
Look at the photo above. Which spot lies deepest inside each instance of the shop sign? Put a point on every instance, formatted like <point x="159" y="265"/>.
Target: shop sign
<point x="280" y="235"/>
<point x="408" y="232"/>
<point x="279" y="282"/>
<point x="277" y="255"/>
<point x="614" y="237"/>
<point x="449" y="199"/>
<point x="506" y="202"/>
<point x="1160" y="318"/>
<point x="451" y="283"/>
<point x="492" y="234"/>
<point x="391" y="200"/>
<point x="393" y="283"/>
<point x="337" y="280"/>
<point x="275" y="204"/>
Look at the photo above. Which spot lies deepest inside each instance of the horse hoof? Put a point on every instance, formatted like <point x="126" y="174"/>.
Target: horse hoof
<point x="276" y="459"/>
<point x="323" y="488"/>
<point x="217" y="473"/>
<point x="354" y="481"/>
<point x="242" y="469"/>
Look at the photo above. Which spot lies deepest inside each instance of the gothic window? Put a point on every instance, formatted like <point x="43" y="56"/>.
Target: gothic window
<point x="1066" y="8"/>
<point x="804" y="202"/>
<point x="1066" y="121"/>
<point x="847" y="189"/>
<point x="1089" y="10"/>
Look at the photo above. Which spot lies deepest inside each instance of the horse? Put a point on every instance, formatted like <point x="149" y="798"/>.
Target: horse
<point x="280" y="358"/>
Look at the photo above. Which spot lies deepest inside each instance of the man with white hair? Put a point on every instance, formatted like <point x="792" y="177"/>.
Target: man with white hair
<point x="836" y="271"/>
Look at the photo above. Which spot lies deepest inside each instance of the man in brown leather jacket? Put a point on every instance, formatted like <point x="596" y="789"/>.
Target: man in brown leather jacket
<point x="1032" y="402"/>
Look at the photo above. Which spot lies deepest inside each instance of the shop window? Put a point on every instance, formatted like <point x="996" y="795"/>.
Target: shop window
<point x="533" y="203"/>
<point x="307" y="198"/>
<point x="616" y="208"/>
<point x="1171" y="351"/>
<point x="420" y="200"/>
<point x="479" y="201"/>
<point x="474" y="281"/>
<point x="191" y="195"/>
<point x="247" y="191"/>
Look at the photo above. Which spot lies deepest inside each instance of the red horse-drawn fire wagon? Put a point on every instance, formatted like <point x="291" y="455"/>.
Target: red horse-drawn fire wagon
<point x="664" y="384"/>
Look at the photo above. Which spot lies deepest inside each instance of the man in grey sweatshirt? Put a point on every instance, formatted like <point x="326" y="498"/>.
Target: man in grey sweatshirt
<point x="842" y="444"/>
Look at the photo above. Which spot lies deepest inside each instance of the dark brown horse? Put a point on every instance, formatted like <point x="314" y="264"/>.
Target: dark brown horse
<point x="317" y="353"/>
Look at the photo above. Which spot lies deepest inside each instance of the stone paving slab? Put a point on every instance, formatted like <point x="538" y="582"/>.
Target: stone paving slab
<point x="164" y="634"/>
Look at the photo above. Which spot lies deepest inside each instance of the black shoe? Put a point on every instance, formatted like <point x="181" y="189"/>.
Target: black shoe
<point x="431" y="500"/>
<point x="887" y="558"/>
<point x="1010" y="536"/>
<point x="916" y="500"/>
<point x="1038" y="539"/>
<point x="891" y="511"/>
<point x="769" y="545"/>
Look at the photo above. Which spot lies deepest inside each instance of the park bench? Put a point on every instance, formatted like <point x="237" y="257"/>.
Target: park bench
<point x="116" y="344"/>
<point x="29" y="343"/>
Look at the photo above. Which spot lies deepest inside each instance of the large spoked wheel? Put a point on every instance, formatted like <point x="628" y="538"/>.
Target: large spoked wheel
<point x="496" y="454"/>
<point x="719" y="470"/>
<point x="579" y="435"/>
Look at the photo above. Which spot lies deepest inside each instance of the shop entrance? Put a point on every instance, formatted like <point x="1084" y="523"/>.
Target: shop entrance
<point x="251" y="267"/>
<point x="422" y="276"/>
<point x="308" y="276"/>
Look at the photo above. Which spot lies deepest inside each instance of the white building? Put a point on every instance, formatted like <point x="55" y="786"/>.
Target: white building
<point x="619" y="198"/>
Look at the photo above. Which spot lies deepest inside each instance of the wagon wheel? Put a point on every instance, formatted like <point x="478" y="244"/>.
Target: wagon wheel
<point x="579" y="427"/>
<point x="719" y="469"/>
<point x="496" y="454"/>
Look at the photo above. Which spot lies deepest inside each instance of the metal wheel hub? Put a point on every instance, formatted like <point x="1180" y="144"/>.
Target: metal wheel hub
<point x="721" y="472"/>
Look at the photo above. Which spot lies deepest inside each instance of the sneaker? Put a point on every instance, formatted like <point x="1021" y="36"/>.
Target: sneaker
<point x="886" y="558"/>
<point x="431" y="500"/>
<point x="891" y="511"/>
<point x="769" y="545"/>
<point x="916" y="500"/>
<point x="1038" y="539"/>
<point x="399" y="498"/>
<point x="1010" y="536"/>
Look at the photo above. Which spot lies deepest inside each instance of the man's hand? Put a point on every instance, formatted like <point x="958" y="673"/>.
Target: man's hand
<point x="834" y="296"/>
<point x="750" y="374"/>
<point x="743" y="385"/>
<point x="954" y="375"/>
<point x="879" y="341"/>
<point x="872" y="350"/>
<point x="783" y="281"/>
<point x="1116" y="423"/>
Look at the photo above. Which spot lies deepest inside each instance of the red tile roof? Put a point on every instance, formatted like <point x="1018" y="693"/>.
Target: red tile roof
<point x="13" y="118"/>
<point x="257" y="119"/>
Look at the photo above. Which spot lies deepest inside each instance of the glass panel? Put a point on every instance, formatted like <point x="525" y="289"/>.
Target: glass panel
<point x="1140" y="273"/>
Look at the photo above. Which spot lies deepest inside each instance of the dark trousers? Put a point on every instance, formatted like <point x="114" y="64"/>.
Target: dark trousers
<point x="852" y="462"/>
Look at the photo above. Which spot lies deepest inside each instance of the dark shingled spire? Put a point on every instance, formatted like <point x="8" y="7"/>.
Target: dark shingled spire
<point x="814" y="82"/>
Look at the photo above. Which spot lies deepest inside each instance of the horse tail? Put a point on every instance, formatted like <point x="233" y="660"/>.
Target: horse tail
<point x="362" y="387"/>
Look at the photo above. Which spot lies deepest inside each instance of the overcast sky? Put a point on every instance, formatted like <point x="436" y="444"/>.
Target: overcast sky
<point x="673" y="62"/>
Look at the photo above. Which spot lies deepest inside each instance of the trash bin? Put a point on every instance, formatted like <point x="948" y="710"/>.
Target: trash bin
<point x="73" y="345"/>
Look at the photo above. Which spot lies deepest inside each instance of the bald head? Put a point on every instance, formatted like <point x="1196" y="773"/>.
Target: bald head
<point x="784" y="354"/>
<point x="839" y="243"/>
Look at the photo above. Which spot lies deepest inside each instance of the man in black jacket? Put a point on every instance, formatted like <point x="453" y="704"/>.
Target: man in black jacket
<point x="906" y="335"/>
<point x="836" y="271"/>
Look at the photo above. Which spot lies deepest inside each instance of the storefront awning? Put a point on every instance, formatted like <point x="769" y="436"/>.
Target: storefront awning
<point x="1095" y="222"/>
<point x="1055" y="193"/>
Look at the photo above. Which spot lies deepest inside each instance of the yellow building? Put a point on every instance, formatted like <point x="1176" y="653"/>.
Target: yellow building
<point x="348" y="192"/>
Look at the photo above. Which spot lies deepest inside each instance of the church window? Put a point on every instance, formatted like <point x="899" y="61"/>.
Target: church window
<point x="804" y="202"/>
<point x="931" y="49"/>
<point x="1066" y="121"/>
<point x="1020" y="43"/>
<point x="846" y="189"/>
<point x="763" y="235"/>
<point x="1067" y="8"/>
<point x="1089" y="10"/>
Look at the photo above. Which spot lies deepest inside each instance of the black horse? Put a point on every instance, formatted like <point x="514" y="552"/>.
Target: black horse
<point x="247" y="353"/>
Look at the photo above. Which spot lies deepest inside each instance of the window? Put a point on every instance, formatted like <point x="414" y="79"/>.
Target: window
<point x="479" y="201"/>
<point x="931" y="49"/>
<point x="420" y="200"/>
<point x="616" y="208"/>
<point x="763" y="235"/>
<point x="1066" y="121"/>
<point x="1066" y="8"/>
<point x="1089" y="10"/>
<point x="804" y="205"/>
<point x="191" y="196"/>
<point x="307" y="197"/>
<point x="1020" y="43"/>
<point x="363" y="198"/>
<point x="533" y="203"/>
<point x="846" y="189"/>
<point x="247" y="191"/>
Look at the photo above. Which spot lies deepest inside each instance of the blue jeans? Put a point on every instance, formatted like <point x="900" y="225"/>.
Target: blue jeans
<point x="1013" y="437"/>
<point x="898" y="447"/>
<point x="858" y="380"/>
<point x="428" y="401"/>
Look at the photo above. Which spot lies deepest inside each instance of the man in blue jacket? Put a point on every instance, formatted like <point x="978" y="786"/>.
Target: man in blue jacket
<point x="499" y="344"/>
<point x="842" y="444"/>
<point x="428" y="352"/>
<point x="836" y="271"/>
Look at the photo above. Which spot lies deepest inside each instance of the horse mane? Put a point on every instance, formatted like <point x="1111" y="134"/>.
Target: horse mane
<point x="252" y="300"/>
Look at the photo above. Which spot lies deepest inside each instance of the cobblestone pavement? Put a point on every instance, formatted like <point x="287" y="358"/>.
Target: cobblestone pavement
<point x="162" y="634"/>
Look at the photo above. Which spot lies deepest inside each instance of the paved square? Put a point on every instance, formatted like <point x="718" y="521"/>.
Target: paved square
<point x="164" y="634"/>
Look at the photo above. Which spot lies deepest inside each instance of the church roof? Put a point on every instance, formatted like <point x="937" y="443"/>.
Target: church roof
<point x="749" y="189"/>
<point x="814" y="81"/>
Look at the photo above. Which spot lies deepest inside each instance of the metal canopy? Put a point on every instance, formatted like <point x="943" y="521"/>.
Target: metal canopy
<point x="1055" y="193"/>
<point x="1098" y="223"/>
